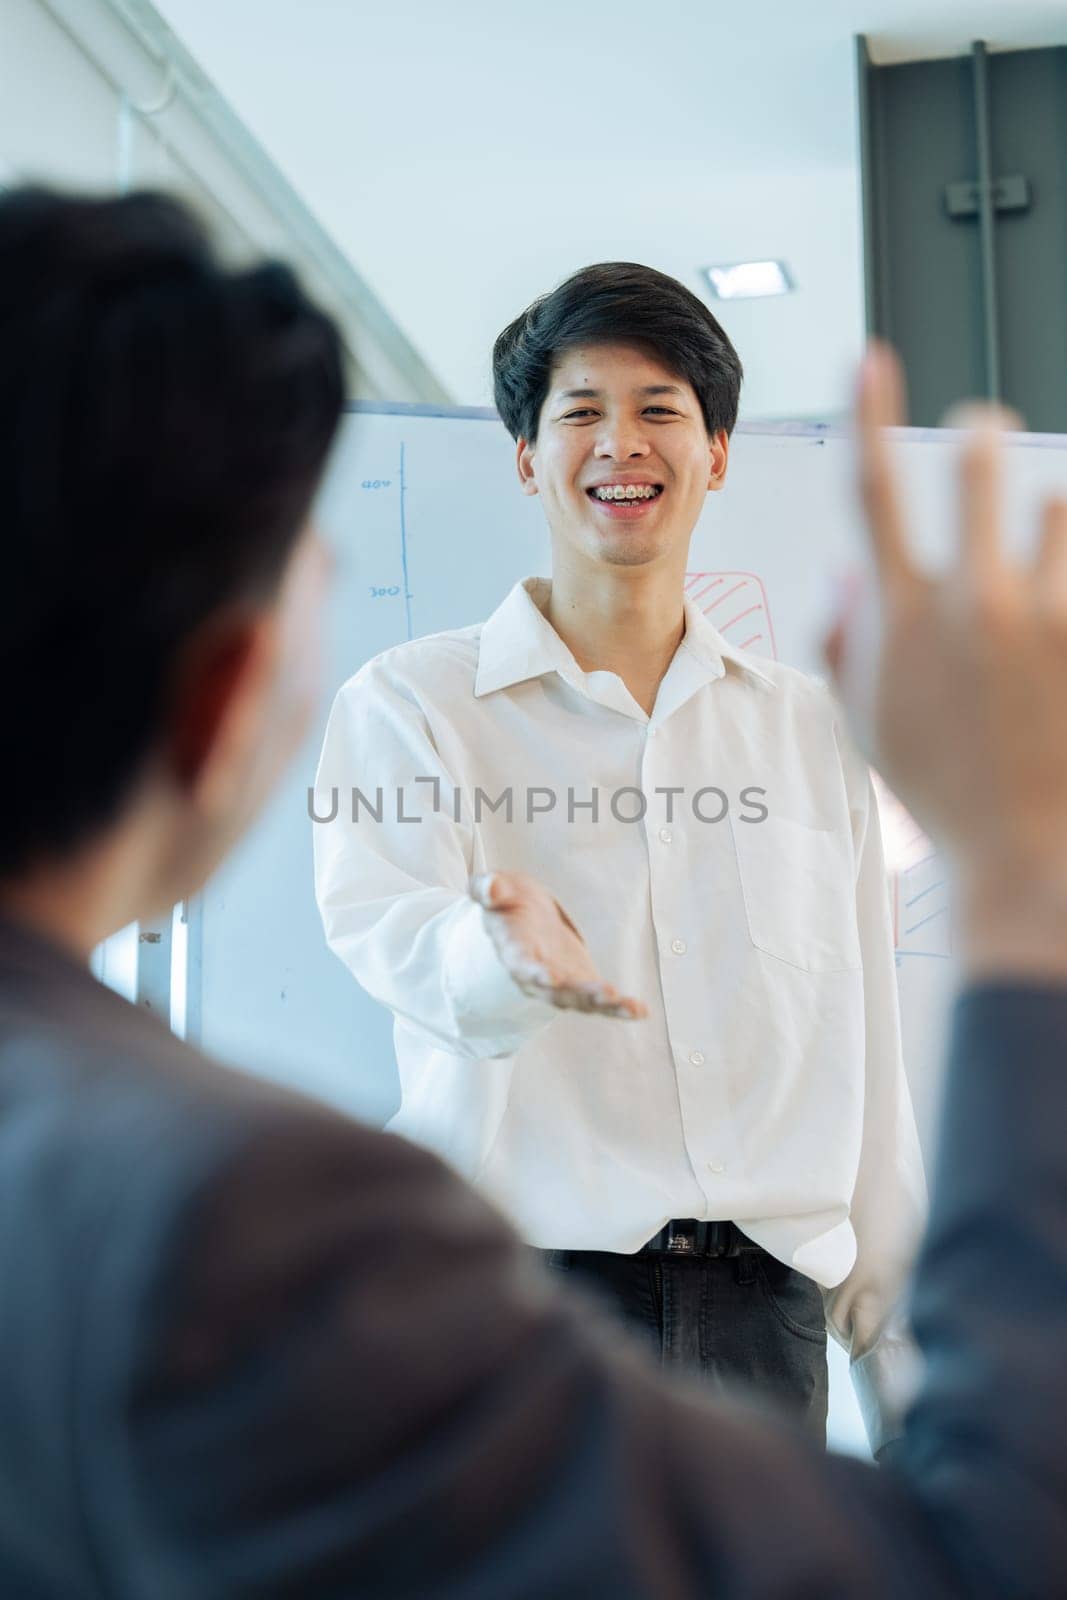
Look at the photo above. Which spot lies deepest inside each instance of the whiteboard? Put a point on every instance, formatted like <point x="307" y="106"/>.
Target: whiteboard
<point x="424" y="512"/>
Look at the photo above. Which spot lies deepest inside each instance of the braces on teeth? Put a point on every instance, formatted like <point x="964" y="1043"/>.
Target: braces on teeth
<point x="627" y="491"/>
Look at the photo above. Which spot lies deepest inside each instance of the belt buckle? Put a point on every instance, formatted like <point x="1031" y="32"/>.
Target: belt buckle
<point x="680" y="1241"/>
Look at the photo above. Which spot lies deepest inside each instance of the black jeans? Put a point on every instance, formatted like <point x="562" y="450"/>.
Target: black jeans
<point x="742" y="1323"/>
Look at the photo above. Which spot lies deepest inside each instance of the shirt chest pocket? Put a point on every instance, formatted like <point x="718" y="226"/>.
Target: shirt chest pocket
<point x="797" y="883"/>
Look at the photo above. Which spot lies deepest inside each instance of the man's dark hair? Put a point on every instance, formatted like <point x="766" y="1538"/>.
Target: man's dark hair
<point x="616" y="302"/>
<point x="164" y="422"/>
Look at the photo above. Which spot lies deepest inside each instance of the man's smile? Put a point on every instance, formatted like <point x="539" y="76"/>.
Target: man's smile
<point x="622" y="499"/>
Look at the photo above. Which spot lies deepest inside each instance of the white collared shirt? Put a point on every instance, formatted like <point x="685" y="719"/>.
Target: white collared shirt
<point x="766" y="1085"/>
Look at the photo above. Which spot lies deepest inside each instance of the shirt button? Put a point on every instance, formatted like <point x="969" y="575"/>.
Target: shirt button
<point x="678" y="946"/>
<point x="666" y="835"/>
<point x="716" y="1167"/>
<point x="696" y="1058"/>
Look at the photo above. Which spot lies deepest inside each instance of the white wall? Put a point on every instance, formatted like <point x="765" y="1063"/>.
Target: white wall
<point x="58" y="115"/>
<point x="66" y="68"/>
<point x="798" y="350"/>
<point x="469" y="157"/>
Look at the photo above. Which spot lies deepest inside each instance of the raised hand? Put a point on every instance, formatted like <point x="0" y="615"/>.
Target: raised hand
<point x="970" y="694"/>
<point x="543" y="950"/>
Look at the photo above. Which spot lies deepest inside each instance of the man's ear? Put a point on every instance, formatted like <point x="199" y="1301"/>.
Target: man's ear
<point x="718" y="458"/>
<point x="524" y="460"/>
<point x="219" y="703"/>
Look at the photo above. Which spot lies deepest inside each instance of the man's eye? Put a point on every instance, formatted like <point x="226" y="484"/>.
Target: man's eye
<point x="585" y="412"/>
<point x="666" y="410"/>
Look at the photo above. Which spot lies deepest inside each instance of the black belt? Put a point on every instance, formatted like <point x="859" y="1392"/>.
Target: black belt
<point x="688" y="1237"/>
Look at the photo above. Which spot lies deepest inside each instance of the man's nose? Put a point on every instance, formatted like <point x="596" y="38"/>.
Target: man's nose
<point x="621" y="441"/>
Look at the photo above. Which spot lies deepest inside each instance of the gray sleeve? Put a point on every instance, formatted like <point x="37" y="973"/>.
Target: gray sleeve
<point x="985" y="1446"/>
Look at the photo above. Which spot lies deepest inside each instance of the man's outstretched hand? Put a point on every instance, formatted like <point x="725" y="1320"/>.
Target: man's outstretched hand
<point x="543" y="950"/>
<point x="970" y="691"/>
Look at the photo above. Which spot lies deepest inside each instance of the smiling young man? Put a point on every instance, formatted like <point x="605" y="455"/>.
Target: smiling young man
<point x="604" y="786"/>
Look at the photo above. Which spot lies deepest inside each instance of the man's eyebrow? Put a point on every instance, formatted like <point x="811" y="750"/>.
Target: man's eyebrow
<point x="595" y="394"/>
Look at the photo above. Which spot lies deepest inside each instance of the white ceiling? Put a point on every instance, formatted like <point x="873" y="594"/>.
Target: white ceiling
<point x="468" y="156"/>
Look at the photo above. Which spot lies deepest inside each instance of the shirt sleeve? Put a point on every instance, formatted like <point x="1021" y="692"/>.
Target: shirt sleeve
<point x="392" y="870"/>
<point x="888" y="1207"/>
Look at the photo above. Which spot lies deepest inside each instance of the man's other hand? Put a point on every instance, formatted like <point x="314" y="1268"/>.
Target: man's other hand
<point x="542" y="948"/>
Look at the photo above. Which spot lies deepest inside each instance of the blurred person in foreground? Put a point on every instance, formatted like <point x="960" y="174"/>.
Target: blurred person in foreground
<point x="250" y="1348"/>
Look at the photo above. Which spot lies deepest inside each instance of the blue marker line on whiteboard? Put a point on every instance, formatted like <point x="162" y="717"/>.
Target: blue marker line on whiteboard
<point x="940" y="884"/>
<point x="404" y="546"/>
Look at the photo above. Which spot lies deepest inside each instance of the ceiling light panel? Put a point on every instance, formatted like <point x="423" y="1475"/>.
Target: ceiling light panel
<point x="749" y="280"/>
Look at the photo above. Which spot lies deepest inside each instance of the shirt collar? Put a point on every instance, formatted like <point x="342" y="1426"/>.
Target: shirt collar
<point x="705" y="641"/>
<point x="517" y="642"/>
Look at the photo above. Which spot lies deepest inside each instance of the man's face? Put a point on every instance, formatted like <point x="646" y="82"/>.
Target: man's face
<point x="615" y="422"/>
